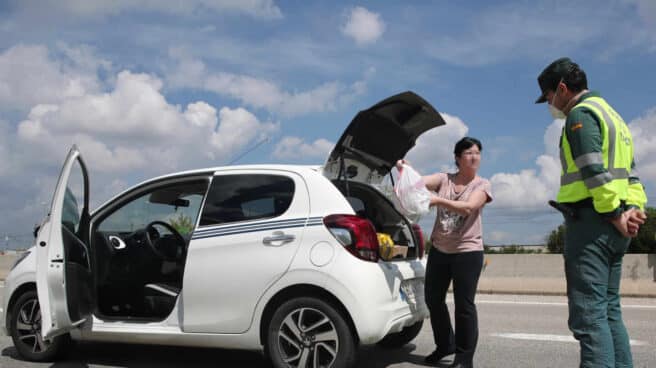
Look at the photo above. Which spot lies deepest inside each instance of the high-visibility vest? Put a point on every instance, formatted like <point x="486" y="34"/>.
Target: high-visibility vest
<point x="607" y="189"/>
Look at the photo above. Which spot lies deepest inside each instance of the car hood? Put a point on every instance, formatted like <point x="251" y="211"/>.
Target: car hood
<point x="379" y="136"/>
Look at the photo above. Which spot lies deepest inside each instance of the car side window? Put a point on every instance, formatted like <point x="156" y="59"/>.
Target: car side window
<point x="178" y="205"/>
<point x="244" y="197"/>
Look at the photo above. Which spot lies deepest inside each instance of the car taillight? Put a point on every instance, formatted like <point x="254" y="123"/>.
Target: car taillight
<point x="356" y="234"/>
<point x="419" y="235"/>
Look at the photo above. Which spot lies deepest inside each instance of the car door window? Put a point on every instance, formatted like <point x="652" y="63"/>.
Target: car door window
<point x="245" y="197"/>
<point x="177" y="205"/>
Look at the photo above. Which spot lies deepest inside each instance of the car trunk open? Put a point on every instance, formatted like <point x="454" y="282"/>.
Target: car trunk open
<point x="379" y="136"/>
<point x="370" y="204"/>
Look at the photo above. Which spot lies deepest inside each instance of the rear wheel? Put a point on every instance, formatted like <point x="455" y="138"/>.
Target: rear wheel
<point x="25" y="326"/>
<point x="398" y="339"/>
<point x="309" y="333"/>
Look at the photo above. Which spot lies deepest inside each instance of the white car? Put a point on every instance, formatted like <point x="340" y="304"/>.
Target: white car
<point x="283" y="258"/>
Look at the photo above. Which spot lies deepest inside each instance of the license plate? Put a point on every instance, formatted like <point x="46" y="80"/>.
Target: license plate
<point x="412" y="290"/>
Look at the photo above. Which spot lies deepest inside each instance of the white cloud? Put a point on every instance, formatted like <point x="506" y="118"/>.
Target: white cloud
<point x="261" y="93"/>
<point x="643" y="130"/>
<point x="28" y="76"/>
<point x="295" y="148"/>
<point x="237" y="128"/>
<point x="433" y="150"/>
<point x="134" y="127"/>
<point x="363" y="26"/>
<point x="266" y="9"/>
<point x="531" y="188"/>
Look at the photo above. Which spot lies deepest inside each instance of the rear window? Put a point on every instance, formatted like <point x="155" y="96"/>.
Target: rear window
<point x="244" y="197"/>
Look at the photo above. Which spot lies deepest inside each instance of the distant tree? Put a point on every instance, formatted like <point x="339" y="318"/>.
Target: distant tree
<point x="556" y="240"/>
<point x="645" y="242"/>
<point x="182" y="224"/>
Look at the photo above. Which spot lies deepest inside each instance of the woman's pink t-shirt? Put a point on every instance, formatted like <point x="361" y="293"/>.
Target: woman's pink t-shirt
<point x="453" y="232"/>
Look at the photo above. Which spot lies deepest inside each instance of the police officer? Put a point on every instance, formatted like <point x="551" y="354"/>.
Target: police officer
<point x="605" y="203"/>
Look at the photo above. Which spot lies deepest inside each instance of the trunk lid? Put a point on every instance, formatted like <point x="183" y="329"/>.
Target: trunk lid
<point x="379" y="136"/>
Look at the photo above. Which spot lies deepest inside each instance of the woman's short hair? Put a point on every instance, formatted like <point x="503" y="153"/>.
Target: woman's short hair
<point x="466" y="143"/>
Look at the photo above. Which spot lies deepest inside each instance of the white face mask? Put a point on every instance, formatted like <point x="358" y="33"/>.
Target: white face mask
<point x="555" y="113"/>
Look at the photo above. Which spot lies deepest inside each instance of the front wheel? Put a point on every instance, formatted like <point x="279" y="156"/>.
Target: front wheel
<point x="398" y="339"/>
<point x="309" y="333"/>
<point x="25" y="326"/>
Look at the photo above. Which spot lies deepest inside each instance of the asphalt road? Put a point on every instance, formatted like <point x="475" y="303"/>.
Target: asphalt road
<point x="515" y="331"/>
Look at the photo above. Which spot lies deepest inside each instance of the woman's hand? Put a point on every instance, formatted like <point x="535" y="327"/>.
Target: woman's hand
<point x="400" y="163"/>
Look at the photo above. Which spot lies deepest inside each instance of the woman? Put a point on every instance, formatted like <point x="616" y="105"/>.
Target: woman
<point x="457" y="253"/>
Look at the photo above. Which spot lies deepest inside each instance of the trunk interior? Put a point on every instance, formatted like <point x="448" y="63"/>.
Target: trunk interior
<point x="369" y="203"/>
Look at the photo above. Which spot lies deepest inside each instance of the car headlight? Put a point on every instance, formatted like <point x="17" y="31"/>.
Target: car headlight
<point x="19" y="259"/>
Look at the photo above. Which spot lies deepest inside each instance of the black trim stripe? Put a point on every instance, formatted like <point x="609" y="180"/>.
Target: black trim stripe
<point x="261" y="226"/>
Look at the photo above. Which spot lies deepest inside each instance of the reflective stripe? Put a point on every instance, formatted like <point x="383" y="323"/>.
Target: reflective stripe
<point x="589" y="159"/>
<point x="563" y="160"/>
<point x="611" y="131"/>
<point x="570" y="178"/>
<point x="598" y="180"/>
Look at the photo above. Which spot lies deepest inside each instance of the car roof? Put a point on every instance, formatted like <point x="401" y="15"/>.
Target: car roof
<point x="300" y="169"/>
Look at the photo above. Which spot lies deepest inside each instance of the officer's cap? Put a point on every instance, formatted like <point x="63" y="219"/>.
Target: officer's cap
<point x="552" y="75"/>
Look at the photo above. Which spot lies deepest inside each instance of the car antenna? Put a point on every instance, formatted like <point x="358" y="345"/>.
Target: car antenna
<point x="265" y="139"/>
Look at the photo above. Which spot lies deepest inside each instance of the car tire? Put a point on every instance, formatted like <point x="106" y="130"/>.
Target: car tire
<point x="399" y="339"/>
<point x="25" y="327"/>
<point x="312" y="331"/>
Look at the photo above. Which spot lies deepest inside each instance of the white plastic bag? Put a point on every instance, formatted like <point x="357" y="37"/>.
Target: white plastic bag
<point x="411" y="191"/>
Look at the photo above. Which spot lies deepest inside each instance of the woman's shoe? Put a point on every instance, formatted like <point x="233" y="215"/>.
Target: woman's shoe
<point x="437" y="355"/>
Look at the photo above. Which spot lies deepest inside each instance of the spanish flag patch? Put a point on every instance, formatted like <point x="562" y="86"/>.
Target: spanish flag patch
<point x="576" y="126"/>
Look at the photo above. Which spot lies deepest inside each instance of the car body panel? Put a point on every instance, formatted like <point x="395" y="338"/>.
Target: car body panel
<point x="216" y="254"/>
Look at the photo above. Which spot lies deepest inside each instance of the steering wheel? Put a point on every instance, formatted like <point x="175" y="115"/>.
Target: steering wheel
<point x="155" y="241"/>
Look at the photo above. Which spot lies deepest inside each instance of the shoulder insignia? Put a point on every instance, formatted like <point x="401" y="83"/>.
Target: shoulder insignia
<point x="576" y="126"/>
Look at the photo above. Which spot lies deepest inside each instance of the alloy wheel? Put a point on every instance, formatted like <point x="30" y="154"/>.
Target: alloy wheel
<point x="307" y="338"/>
<point x="28" y="326"/>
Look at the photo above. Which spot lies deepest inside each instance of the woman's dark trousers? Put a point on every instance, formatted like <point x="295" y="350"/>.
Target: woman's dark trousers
<point x="464" y="269"/>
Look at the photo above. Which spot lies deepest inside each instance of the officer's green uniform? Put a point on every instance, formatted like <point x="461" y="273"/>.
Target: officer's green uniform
<point x="596" y="150"/>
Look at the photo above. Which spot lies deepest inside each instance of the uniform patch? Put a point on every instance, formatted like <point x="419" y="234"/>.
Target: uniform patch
<point x="576" y="126"/>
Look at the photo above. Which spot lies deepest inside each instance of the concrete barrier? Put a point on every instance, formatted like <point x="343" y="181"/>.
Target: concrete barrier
<point x="528" y="274"/>
<point x="545" y="274"/>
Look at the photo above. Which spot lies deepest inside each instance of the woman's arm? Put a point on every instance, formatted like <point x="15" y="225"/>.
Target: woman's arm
<point x="476" y="200"/>
<point x="432" y="182"/>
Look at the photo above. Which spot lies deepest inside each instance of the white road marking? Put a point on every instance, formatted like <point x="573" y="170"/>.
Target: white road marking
<point x="547" y="337"/>
<point x="557" y="304"/>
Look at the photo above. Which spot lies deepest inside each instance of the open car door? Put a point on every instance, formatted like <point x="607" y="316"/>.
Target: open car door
<point x="63" y="271"/>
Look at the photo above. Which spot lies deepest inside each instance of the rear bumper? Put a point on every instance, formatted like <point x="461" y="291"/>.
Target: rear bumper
<point x="371" y="292"/>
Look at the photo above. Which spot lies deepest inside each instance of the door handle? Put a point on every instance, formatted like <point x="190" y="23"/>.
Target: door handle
<point x="279" y="238"/>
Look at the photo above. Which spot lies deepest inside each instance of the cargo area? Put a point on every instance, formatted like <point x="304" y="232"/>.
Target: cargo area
<point x="369" y="203"/>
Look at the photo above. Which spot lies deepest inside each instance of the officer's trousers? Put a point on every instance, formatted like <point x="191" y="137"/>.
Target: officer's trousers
<point x="593" y="266"/>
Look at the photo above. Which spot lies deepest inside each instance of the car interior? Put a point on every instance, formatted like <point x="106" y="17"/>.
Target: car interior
<point x="140" y="250"/>
<point x="368" y="203"/>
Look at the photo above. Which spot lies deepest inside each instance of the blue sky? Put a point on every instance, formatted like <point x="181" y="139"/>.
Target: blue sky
<point x="152" y="87"/>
